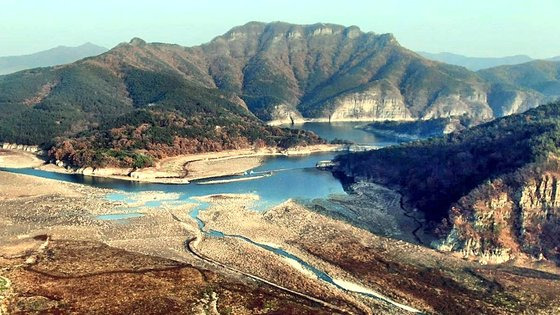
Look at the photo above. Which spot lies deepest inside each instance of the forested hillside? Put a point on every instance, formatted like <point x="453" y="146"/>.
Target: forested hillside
<point x="435" y="173"/>
<point x="492" y="191"/>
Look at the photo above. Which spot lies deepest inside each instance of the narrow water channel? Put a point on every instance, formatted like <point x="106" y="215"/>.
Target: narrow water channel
<point x="321" y="275"/>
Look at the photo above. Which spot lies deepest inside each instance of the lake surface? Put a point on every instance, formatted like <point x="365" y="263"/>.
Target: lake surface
<point x="347" y="131"/>
<point x="290" y="177"/>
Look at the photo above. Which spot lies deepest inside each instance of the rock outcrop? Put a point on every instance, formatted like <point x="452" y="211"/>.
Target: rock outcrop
<point x="374" y="103"/>
<point x="22" y="147"/>
<point x="516" y="215"/>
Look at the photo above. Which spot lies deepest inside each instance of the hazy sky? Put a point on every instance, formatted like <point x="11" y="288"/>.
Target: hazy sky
<point x="470" y="27"/>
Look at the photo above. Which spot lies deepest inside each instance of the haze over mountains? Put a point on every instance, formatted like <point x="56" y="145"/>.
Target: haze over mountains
<point x="56" y="56"/>
<point x="275" y="72"/>
<point x="479" y="63"/>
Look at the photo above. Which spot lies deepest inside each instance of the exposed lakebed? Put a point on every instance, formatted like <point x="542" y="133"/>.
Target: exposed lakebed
<point x="278" y="179"/>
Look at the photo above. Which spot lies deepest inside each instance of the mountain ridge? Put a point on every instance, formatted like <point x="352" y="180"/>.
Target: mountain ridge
<point x="58" y="55"/>
<point x="300" y="92"/>
<point x="254" y="73"/>
<point x="480" y="63"/>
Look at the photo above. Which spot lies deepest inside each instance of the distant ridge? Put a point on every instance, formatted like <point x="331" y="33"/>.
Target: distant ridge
<point x="479" y="63"/>
<point x="475" y="63"/>
<point x="52" y="57"/>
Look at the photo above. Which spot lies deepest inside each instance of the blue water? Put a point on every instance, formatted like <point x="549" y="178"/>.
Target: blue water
<point x="347" y="131"/>
<point x="292" y="177"/>
<point x="296" y="179"/>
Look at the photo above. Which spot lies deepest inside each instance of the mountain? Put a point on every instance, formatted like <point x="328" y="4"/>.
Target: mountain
<point x="475" y="63"/>
<point x="286" y="72"/>
<point x="52" y="57"/>
<point x="538" y="77"/>
<point x="491" y="192"/>
<point x="257" y="72"/>
<point x="128" y="107"/>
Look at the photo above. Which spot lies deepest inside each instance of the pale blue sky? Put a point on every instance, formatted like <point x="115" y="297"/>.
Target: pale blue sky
<point x="474" y="27"/>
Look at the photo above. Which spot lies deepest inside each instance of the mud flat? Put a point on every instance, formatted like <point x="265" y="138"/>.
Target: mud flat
<point x="31" y="205"/>
<point x="53" y="246"/>
<point x="58" y="258"/>
<point x="377" y="209"/>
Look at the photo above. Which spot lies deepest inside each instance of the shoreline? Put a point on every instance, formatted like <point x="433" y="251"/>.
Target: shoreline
<point x="232" y="180"/>
<point x="178" y="170"/>
<point x="300" y="121"/>
<point x="350" y="255"/>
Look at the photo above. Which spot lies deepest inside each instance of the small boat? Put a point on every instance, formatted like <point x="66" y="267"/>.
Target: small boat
<point x="325" y="164"/>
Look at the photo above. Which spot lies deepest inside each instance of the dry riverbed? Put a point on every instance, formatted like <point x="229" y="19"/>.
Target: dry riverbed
<point x="406" y="273"/>
<point x="58" y="258"/>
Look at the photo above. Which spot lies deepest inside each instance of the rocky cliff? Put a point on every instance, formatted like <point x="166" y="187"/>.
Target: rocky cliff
<point x="513" y="216"/>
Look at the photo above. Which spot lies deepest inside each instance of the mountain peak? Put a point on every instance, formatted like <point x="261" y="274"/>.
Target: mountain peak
<point x="136" y="41"/>
<point x="389" y="38"/>
<point x="279" y="28"/>
<point x="89" y="44"/>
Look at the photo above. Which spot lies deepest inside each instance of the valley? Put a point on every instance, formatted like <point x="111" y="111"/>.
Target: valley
<point x="275" y="240"/>
<point x="140" y="102"/>
<point x="278" y="169"/>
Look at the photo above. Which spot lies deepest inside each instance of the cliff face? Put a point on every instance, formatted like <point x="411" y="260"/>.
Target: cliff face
<point x="326" y="71"/>
<point x="372" y="103"/>
<point x="512" y="216"/>
<point x="507" y="100"/>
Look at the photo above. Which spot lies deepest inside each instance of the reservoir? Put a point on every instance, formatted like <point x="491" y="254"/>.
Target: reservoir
<point x="278" y="179"/>
<point x="287" y="177"/>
